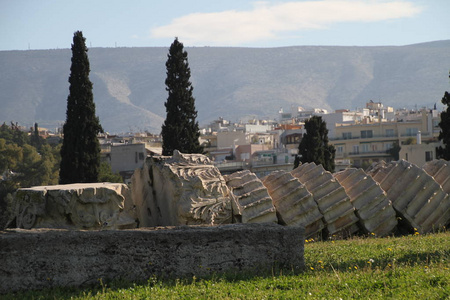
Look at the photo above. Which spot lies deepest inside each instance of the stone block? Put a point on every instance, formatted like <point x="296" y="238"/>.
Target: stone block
<point x="74" y="206"/>
<point x="333" y="202"/>
<point x="371" y="204"/>
<point x="253" y="202"/>
<point x="43" y="258"/>
<point x="415" y="195"/>
<point x="183" y="189"/>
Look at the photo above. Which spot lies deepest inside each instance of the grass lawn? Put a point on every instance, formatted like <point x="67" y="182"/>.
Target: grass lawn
<point x="408" y="267"/>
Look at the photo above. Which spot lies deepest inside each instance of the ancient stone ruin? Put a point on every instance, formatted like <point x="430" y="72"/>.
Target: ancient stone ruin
<point x="331" y="198"/>
<point x="253" y="203"/>
<point x="183" y="189"/>
<point x="416" y="196"/>
<point x="372" y="206"/>
<point x="295" y="205"/>
<point x="273" y="215"/>
<point x="187" y="189"/>
<point x="85" y="206"/>
<point x="46" y="258"/>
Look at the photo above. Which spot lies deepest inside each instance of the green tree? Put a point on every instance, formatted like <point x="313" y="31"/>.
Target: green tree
<point x="180" y="130"/>
<point x="107" y="175"/>
<point x="314" y="145"/>
<point x="35" y="139"/>
<point x="13" y="134"/>
<point x="80" y="152"/>
<point x="394" y="151"/>
<point x="10" y="156"/>
<point x="444" y="134"/>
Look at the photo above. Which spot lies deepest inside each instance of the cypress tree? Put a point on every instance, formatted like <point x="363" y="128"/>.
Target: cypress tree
<point x="180" y="130"/>
<point x="314" y="145"/>
<point x="35" y="139"/>
<point x="80" y="152"/>
<point x="444" y="134"/>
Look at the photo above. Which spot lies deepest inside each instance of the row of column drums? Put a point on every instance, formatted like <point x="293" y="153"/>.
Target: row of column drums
<point x="386" y="199"/>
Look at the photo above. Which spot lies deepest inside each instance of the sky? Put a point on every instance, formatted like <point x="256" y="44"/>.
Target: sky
<point x="50" y="24"/>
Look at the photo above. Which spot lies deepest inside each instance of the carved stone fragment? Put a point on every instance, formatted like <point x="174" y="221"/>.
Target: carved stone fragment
<point x="183" y="189"/>
<point x="253" y="202"/>
<point x="331" y="198"/>
<point x="294" y="204"/>
<point x="416" y="196"/>
<point x="371" y="204"/>
<point x="74" y="206"/>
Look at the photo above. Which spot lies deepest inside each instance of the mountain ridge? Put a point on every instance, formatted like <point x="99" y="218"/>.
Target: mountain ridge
<point x="234" y="83"/>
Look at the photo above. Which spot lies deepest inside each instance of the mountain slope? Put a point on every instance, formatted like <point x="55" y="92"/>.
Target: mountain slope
<point x="234" y="83"/>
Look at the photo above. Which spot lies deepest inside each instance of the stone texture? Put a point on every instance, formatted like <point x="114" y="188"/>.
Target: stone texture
<point x="439" y="169"/>
<point x="74" y="206"/>
<point x="373" y="208"/>
<point x="294" y="204"/>
<point x="35" y="259"/>
<point x="331" y="198"/>
<point x="183" y="189"/>
<point x="254" y="204"/>
<point x="415" y="195"/>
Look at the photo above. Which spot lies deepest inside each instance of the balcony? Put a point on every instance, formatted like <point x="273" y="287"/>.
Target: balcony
<point x="367" y="153"/>
<point x="375" y="136"/>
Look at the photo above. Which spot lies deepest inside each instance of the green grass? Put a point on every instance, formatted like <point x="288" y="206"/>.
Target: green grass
<point x="409" y="267"/>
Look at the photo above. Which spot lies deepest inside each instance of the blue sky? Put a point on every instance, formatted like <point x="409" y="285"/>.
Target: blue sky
<point x="50" y="24"/>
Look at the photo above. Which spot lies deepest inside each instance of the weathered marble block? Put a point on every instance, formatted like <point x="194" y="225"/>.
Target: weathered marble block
<point x="372" y="206"/>
<point x="331" y="198"/>
<point x="416" y="196"/>
<point x="75" y="206"/>
<point x="254" y="204"/>
<point x="183" y="189"/>
<point x="439" y="169"/>
<point x="294" y="203"/>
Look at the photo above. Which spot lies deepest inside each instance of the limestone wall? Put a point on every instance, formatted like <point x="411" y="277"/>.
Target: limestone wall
<point x="41" y="258"/>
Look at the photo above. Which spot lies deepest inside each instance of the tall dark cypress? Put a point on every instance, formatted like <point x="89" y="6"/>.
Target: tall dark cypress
<point x="444" y="134"/>
<point x="180" y="130"/>
<point x="80" y="152"/>
<point x="314" y="145"/>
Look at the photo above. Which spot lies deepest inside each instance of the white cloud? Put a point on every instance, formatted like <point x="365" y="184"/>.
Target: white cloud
<point x="267" y="21"/>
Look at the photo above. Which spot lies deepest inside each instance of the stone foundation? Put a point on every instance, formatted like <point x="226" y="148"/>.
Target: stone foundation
<point x="44" y="258"/>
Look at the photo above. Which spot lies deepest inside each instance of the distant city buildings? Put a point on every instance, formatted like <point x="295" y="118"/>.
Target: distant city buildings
<point x="360" y="137"/>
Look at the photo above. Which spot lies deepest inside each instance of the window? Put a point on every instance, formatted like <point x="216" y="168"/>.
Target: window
<point x="141" y="156"/>
<point x="428" y="155"/>
<point x="355" y="149"/>
<point x="388" y="146"/>
<point x="366" y="134"/>
<point x="411" y="131"/>
<point x="365" y="148"/>
<point x="339" y="149"/>
<point x="346" y="135"/>
<point x="389" y="132"/>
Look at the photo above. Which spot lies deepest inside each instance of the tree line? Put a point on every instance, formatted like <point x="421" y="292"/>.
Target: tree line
<point x="26" y="160"/>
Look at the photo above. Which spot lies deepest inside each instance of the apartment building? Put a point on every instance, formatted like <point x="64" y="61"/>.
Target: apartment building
<point x="370" y="140"/>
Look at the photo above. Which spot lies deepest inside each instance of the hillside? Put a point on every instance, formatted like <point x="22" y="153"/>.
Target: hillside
<point x="235" y="83"/>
